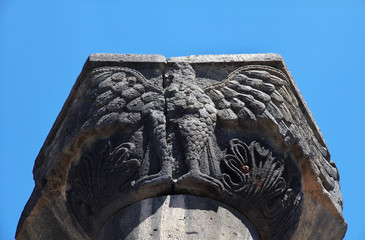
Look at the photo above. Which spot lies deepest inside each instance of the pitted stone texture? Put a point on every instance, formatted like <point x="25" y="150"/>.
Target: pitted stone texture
<point x="178" y="217"/>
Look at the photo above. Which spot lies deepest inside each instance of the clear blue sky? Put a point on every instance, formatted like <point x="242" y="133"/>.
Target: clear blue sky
<point x="44" y="45"/>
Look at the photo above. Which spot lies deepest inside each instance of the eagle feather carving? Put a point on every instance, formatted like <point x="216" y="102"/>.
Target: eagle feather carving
<point x="122" y="96"/>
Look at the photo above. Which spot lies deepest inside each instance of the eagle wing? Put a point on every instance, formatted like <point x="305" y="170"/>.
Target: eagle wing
<point x="257" y="93"/>
<point x="250" y="93"/>
<point x="120" y="96"/>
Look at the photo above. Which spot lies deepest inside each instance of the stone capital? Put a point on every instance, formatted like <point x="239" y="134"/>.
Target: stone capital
<point x="201" y="137"/>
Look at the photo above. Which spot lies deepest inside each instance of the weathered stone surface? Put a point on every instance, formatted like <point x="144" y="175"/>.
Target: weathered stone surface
<point x="232" y="128"/>
<point x="178" y="217"/>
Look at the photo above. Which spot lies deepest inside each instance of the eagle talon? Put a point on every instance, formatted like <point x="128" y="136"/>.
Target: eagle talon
<point x="154" y="180"/>
<point x="195" y="176"/>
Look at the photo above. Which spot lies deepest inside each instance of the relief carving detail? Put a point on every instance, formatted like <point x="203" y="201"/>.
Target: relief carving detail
<point x="174" y="132"/>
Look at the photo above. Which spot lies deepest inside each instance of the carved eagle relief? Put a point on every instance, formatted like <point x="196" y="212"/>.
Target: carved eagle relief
<point x="180" y="122"/>
<point x="124" y="97"/>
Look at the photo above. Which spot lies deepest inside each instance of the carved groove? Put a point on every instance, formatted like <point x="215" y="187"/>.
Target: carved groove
<point x="252" y="172"/>
<point x="96" y="181"/>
